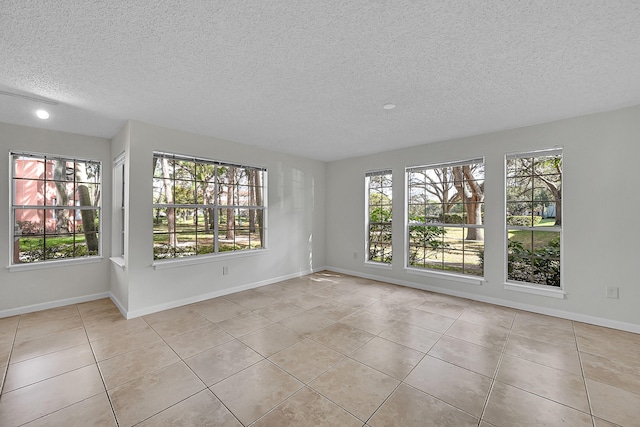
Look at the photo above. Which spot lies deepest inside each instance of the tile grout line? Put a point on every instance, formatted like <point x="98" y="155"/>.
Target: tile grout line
<point x="6" y="368"/>
<point x="495" y="372"/>
<point x="104" y="384"/>
<point x="584" y="378"/>
<point x="58" y="375"/>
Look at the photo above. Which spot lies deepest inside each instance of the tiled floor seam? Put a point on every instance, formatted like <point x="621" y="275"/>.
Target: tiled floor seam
<point x="495" y="374"/>
<point x="189" y="367"/>
<point x="170" y="406"/>
<point x="6" y="368"/>
<point x="584" y="377"/>
<point x="63" y="408"/>
<point x="113" y="410"/>
<point x="335" y="403"/>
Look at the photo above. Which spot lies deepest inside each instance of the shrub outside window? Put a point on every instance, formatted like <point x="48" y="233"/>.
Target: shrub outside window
<point x="204" y="207"/>
<point x="379" y="214"/>
<point x="55" y="208"/>
<point x="534" y="217"/>
<point x="445" y="217"/>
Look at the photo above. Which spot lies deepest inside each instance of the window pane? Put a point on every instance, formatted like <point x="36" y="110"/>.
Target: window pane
<point x="28" y="167"/>
<point x="87" y="195"/>
<point x="158" y="170"/>
<point x="205" y="245"/>
<point x="60" y="170"/>
<point x="474" y="258"/>
<point x="87" y="172"/>
<point x="456" y="215"/>
<point x="164" y="220"/>
<point x="31" y="249"/>
<point x="184" y="192"/>
<point x="185" y="243"/>
<point x="58" y="246"/>
<point x="28" y="192"/>
<point x="29" y="221"/>
<point x="163" y="245"/>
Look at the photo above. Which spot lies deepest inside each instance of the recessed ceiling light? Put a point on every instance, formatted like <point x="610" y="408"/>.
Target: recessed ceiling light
<point x="42" y="114"/>
<point x="389" y="106"/>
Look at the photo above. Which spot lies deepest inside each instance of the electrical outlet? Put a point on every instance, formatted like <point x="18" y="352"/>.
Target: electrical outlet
<point x="225" y="270"/>
<point x="612" y="292"/>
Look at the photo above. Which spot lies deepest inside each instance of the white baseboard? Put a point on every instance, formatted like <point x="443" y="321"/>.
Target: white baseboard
<point x="578" y="317"/>
<point x="153" y="309"/>
<point x="52" y="304"/>
<point x="219" y="293"/>
<point x="118" y="304"/>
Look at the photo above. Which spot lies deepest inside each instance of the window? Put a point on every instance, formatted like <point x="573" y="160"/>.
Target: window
<point x="379" y="201"/>
<point x="534" y="217"/>
<point x="119" y="206"/>
<point x="445" y="217"/>
<point x="55" y="208"/>
<point x="206" y="207"/>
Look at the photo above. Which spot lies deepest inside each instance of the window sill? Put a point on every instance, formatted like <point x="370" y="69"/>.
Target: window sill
<point x="204" y="259"/>
<point x="118" y="261"/>
<point x="53" y="264"/>
<point x="469" y="280"/>
<point x="380" y="265"/>
<point x="536" y="290"/>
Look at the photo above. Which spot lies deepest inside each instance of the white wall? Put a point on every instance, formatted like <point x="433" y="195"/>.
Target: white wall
<point x="601" y="157"/>
<point x="295" y="227"/>
<point x="23" y="291"/>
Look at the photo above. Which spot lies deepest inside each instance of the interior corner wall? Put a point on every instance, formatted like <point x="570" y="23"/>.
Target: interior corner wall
<point x="601" y="154"/>
<point x="295" y="222"/>
<point x="24" y="291"/>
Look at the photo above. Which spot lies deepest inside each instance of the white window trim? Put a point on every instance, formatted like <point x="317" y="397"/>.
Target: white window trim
<point x="118" y="261"/>
<point x="119" y="245"/>
<point x="380" y="265"/>
<point x="525" y="287"/>
<point x="204" y="259"/>
<point x="467" y="279"/>
<point x="529" y="288"/>
<point x="54" y="263"/>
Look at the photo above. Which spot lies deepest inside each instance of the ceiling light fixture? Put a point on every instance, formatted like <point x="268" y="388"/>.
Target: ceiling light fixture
<point x="389" y="106"/>
<point x="42" y="114"/>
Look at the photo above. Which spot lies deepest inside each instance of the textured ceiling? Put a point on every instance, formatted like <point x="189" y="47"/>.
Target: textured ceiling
<point x="310" y="77"/>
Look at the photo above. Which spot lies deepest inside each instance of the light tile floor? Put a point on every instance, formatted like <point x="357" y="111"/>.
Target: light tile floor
<point x="321" y="350"/>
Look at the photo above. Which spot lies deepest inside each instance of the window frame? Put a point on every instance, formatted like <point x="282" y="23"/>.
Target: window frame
<point x="432" y="272"/>
<point x="76" y="208"/>
<point x="118" y="248"/>
<point x="368" y="232"/>
<point x="531" y="287"/>
<point x="165" y="262"/>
